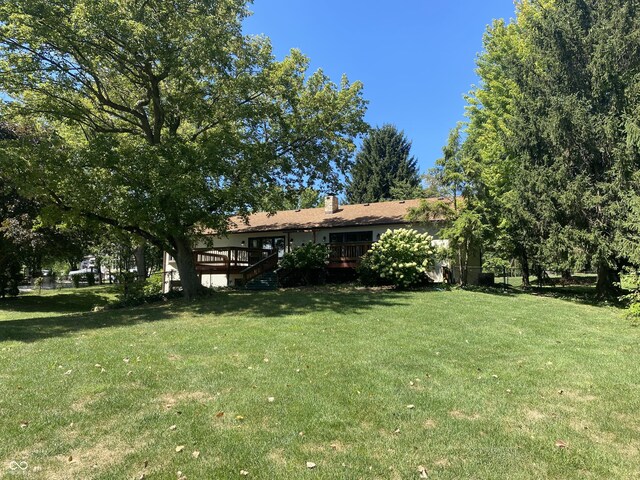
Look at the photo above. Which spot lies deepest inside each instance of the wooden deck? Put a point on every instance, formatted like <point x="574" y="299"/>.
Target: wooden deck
<point x="228" y="260"/>
<point x="238" y="260"/>
<point x="347" y="255"/>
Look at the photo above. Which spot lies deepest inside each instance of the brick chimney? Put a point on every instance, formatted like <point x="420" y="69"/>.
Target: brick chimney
<point x="330" y="204"/>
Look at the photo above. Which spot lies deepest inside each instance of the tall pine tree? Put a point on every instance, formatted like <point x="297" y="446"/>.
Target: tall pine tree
<point x="384" y="168"/>
<point x="573" y="128"/>
<point x="554" y="130"/>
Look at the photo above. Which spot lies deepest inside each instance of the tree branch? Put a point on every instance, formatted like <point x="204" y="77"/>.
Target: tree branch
<point x="151" y="238"/>
<point x="211" y="125"/>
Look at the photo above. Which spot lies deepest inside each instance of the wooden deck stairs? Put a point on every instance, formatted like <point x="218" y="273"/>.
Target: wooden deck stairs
<point x="265" y="281"/>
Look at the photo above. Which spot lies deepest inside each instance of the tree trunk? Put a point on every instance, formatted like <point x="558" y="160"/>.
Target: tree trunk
<point x="461" y="276"/>
<point x="467" y="249"/>
<point x="191" y="286"/>
<point x="141" y="266"/>
<point x="541" y="273"/>
<point x="524" y="263"/>
<point x="99" y="270"/>
<point x="608" y="285"/>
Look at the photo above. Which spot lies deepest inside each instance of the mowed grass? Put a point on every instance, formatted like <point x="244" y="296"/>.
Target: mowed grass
<point x="55" y="303"/>
<point x="364" y="384"/>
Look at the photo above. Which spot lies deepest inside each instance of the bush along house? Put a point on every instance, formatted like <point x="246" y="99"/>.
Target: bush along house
<point x="251" y="250"/>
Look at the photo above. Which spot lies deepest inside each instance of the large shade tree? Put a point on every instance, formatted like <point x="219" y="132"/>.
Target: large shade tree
<point x="493" y="165"/>
<point x="27" y="241"/>
<point x="161" y="118"/>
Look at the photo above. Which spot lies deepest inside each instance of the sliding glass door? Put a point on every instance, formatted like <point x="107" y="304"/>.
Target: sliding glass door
<point x="275" y="244"/>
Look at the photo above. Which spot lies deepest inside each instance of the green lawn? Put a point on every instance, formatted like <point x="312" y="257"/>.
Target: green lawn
<point x="364" y="384"/>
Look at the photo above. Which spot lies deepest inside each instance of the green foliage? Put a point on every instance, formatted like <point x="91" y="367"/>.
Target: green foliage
<point x="384" y="168"/>
<point x="449" y="174"/>
<point x="550" y="155"/>
<point x="369" y="276"/>
<point x="130" y="289"/>
<point x="38" y="283"/>
<point x="462" y="227"/>
<point x="291" y="199"/>
<point x="493" y="165"/>
<point x="90" y="277"/>
<point x="60" y="268"/>
<point x="75" y="280"/>
<point x="633" y="299"/>
<point x="494" y="264"/>
<point x="153" y="285"/>
<point x="401" y="257"/>
<point x="429" y="210"/>
<point x="161" y="118"/>
<point x="305" y="265"/>
<point x="634" y="307"/>
<point x="10" y="270"/>
<point x="459" y="213"/>
<point x="26" y="241"/>
<point x="308" y="256"/>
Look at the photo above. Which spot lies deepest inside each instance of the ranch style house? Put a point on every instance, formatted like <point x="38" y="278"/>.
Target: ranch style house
<point x="252" y="248"/>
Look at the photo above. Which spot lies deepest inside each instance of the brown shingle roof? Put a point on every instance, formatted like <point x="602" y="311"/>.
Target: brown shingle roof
<point x="380" y="213"/>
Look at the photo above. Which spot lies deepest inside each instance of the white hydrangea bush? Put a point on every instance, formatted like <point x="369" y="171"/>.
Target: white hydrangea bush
<point x="401" y="257"/>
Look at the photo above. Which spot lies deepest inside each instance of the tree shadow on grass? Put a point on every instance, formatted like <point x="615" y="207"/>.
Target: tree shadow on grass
<point x="585" y="295"/>
<point x="56" y="304"/>
<point x="240" y="304"/>
<point x="301" y="301"/>
<point x="56" y="325"/>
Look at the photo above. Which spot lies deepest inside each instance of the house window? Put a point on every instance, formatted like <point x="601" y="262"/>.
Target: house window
<point x="268" y="243"/>
<point x="351" y="237"/>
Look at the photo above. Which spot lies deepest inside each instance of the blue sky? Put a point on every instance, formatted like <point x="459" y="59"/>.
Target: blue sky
<point x="415" y="57"/>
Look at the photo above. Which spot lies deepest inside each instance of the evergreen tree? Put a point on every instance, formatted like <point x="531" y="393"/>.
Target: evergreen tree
<point x="553" y="128"/>
<point x="384" y="168"/>
<point x="573" y="126"/>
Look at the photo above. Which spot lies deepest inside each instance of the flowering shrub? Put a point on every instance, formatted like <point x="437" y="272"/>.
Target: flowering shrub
<point x="401" y="257"/>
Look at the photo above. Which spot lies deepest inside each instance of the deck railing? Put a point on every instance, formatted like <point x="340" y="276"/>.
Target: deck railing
<point x="242" y="260"/>
<point x="347" y="252"/>
<point x="264" y="265"/>
<point x="229" y="257"/>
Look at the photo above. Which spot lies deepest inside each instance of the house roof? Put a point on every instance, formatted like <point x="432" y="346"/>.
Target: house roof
<point x="381" y="213"/>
